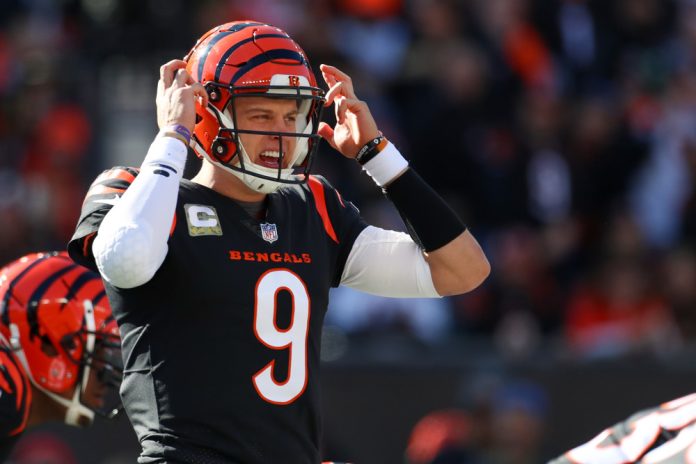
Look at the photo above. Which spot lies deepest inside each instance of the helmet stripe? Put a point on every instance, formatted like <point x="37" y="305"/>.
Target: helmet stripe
<point x="15" y="281"/>
<point x="269" y="55"/>
<point x="83" y="279"/>
<point x="223" y="60"/>
<point x="216" y="39"/>
<point x="38" y="293"/>
<point x="32" y="304"/>
<point x="98" y="297"/>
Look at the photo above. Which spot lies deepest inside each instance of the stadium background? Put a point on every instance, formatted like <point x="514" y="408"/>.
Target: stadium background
<point x="563" y="131"/>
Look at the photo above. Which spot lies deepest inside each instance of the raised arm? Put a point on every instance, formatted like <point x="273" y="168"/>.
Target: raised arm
<point x="455" y="261"/>
<point x="131" y="243"/>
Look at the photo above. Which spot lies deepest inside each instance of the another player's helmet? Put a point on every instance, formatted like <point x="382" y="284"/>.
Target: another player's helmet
<point x="55" y="318"/>
<point x="251" y="59"/>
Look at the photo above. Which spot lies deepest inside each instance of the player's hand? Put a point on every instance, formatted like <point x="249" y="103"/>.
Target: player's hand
<point x="355" y="125"/>
<point x="176" y="94"/>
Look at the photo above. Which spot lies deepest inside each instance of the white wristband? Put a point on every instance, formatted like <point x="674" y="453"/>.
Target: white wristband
<point x="386" y="166"/>
<point x="168" y="151"/>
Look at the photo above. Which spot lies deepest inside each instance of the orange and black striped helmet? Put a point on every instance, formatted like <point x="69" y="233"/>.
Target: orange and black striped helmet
<point x="54" y="315"/>
<point x="252" y="59"/>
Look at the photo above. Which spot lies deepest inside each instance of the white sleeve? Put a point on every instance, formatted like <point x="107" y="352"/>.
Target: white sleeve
<point x="131" y="243"/>
<point x="388" y="263"/>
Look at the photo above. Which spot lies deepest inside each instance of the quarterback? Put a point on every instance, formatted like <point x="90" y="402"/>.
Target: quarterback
<point x="220" y="283"/>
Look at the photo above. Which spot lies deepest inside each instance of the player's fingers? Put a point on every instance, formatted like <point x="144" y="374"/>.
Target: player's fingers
<point x="344" y="105"/>
<point x="327" y="133"/>
<point x="182" y="77"/>
<point x="355" y="105"/>
<point x="328" y="78"/>
<point x="340" y="76"/>
<point x="189" y="78"/>
<point x="199" y="91"/>
<point x="333" y="91"/>
<point x="168" y="70"/>
<point x="341" y="106"/>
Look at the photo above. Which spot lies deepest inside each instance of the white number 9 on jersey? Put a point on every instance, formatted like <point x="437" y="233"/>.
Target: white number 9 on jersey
<point x="294" y="338"/>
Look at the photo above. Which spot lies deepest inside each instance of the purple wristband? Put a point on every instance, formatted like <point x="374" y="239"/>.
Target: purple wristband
<point x="179" y="129"/>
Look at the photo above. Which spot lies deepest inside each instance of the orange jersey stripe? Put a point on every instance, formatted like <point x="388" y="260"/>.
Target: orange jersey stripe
<point x="317" y="189"/>
<point x="98" y="187"/>
<point x="103" y="189"/>
<point x="85" y="243"/>
<point x="115" y="173"/>
<point x="171" y="231"/>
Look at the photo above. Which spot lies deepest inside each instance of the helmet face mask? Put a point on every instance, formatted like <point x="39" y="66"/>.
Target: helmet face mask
<point x="243" y="60"/>
<point x="102" y="359"/>
<point x="106" y="361"/>
<point x="106" y="353"/>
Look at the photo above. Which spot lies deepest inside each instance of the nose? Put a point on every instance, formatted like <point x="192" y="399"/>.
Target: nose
<point x="280" y="124"/>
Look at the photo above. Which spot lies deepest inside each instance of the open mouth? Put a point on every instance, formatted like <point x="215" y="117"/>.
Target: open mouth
<point x="269" y="159"/>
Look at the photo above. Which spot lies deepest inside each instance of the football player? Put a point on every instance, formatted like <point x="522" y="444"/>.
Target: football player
<point x="661" y="435"/>
<point x="220" y="284"/>
<point x="59" y="345"/>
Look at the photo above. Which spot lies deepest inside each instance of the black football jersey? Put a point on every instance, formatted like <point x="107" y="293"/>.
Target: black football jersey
<point x="660" y="435"/>
<point x="221" y="346"/>
<point x="15" y="401"/>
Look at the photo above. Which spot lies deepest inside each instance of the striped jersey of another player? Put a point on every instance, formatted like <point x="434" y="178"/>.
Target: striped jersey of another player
<point x="106" y="190"/>
<point x="662" y="435"/>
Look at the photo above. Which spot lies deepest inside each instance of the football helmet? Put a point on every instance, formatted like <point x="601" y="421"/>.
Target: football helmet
<point x="249" y="59"/>
<point x="55" y="318"/>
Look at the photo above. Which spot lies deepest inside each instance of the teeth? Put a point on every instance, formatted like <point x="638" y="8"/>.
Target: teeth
<point x="271" y="154"/>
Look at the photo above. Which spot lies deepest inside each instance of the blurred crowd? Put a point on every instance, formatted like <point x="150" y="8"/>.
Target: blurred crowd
<point x="563" y="132"/>
<point x="505" y="426"/>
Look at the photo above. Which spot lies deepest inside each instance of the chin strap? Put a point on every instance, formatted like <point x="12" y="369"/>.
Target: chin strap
<point x="76" y="412"/>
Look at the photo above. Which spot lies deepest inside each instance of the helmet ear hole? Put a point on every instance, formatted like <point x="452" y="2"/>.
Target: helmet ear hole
<point x="213" y="93"/>
<point x="68" y="342"/>
<point x="47" y="348"/>
<point x="221" y="150"/>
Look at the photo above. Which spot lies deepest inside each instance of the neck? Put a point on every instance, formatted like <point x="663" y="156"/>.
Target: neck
<point x="225" y="183"/>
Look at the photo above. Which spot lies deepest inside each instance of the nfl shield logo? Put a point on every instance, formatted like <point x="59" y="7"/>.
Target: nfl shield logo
<point x="269" y="232"/>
